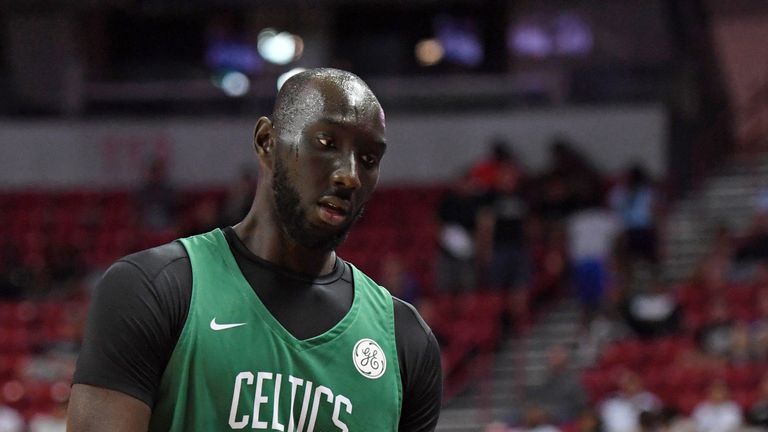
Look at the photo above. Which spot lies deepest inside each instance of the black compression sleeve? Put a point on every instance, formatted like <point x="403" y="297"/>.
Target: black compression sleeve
<point x="420" y="369"/>
<point x="137" y="312"/>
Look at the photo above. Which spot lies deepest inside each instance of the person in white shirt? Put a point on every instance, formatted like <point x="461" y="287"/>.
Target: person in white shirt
<point x="718" y="413"/>
<point x="621" y="412"/>
<point x="591" y="235"/>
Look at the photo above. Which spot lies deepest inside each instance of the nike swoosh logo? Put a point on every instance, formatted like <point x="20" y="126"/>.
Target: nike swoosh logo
<point x="216" y="326"/>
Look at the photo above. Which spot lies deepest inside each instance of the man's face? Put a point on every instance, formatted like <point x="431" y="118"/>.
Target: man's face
<point x="326" y="166"/>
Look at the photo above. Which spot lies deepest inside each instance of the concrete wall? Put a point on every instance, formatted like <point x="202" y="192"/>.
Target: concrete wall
<point x="423" y="148"/>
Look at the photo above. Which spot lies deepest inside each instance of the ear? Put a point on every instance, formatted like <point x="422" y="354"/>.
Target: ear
<point x="263" y="140"/>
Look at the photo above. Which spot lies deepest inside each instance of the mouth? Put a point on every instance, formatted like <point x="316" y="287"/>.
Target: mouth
<point x="333" y="210"/>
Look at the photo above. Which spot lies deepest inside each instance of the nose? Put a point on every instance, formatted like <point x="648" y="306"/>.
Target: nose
<point x="346" y="174"/>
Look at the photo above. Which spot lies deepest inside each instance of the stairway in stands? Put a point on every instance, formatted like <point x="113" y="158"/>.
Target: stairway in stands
<point x="520" y="362"/>
<point x="728" y="197"/>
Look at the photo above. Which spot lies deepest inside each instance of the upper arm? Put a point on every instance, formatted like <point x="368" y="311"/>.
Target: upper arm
<point x="420" y="368"/>
<point x="135" y="317"/>
<point x="98" y="409"/>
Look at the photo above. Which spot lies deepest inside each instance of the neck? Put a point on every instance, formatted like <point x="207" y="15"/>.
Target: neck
<point x="262" y="235"/>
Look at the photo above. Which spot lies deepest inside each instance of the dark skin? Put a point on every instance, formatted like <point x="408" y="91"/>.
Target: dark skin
<point x="336" y="149"/>
<point x="329" y="157"/>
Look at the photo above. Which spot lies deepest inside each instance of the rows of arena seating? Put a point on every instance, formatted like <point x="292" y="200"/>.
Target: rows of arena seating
<point x="99" y="227"/>
<point x="673" y="367"/>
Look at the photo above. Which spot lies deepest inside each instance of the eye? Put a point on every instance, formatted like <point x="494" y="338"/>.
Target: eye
<point x="370" y="160"/>
<point x="326" y="141"/>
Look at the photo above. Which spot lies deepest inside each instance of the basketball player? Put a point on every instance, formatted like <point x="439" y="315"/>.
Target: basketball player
<point x="261" y="326"/>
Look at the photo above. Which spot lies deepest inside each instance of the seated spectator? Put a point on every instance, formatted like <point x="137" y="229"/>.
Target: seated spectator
<point x="653" y="313"/>
<point x="715" y="337"/>
<point x="621" y="412"/>
<point x="758" y="412"/>
<point x="718" y="413"/>
<point x="560" y="393"/>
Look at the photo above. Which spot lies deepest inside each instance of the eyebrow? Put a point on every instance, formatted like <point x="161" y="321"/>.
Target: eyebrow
<point x="341" y="123"/>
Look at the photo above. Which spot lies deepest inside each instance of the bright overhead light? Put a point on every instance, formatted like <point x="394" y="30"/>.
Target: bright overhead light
<point x="279" y="48"/>
<point x="429" y="52"/>
<point x="235" y="84"/>
<point x="284" y="77"/>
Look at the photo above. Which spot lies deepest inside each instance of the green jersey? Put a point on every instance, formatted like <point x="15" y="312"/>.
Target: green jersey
<point x="236" y="368"/>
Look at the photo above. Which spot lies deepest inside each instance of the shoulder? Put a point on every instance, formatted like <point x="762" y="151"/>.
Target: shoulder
<point x="409" y="319"/>
<point x="157" y="260"/>
<point x="159" y="279"/>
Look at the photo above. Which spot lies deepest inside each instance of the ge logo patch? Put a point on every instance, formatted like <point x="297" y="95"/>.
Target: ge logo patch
<point x="369" y="358"/>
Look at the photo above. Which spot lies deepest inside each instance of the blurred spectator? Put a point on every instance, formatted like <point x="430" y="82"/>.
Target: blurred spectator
<point x="758" y="412"/>
<point x="560" y="393"/>
<point x="396" y="278"/>
<point x="621" y="412"/>
<point x="591" y="234"/>
<point x="570" y="183"/>
<point x="485" y="173"/>
<point x="715" y="337"/>
<point x="10" y="420"/>
<point x="157" y="198"/>
<point x="653" y="313"/>
<point x="636" y="203"/>
<point x="502" y="230"/>
<point x="239" y="198"/>
<point x="717" y="413"/>
<point x="457" y="213"/>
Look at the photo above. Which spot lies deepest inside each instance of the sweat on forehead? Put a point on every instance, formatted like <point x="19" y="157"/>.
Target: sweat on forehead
<point x="315" y="91"/>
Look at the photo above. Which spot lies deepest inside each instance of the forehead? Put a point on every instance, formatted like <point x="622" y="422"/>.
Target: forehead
<point x="346" y="103"/>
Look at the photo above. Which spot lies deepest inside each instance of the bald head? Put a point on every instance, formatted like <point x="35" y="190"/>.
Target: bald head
<point x="316" y="92"/>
